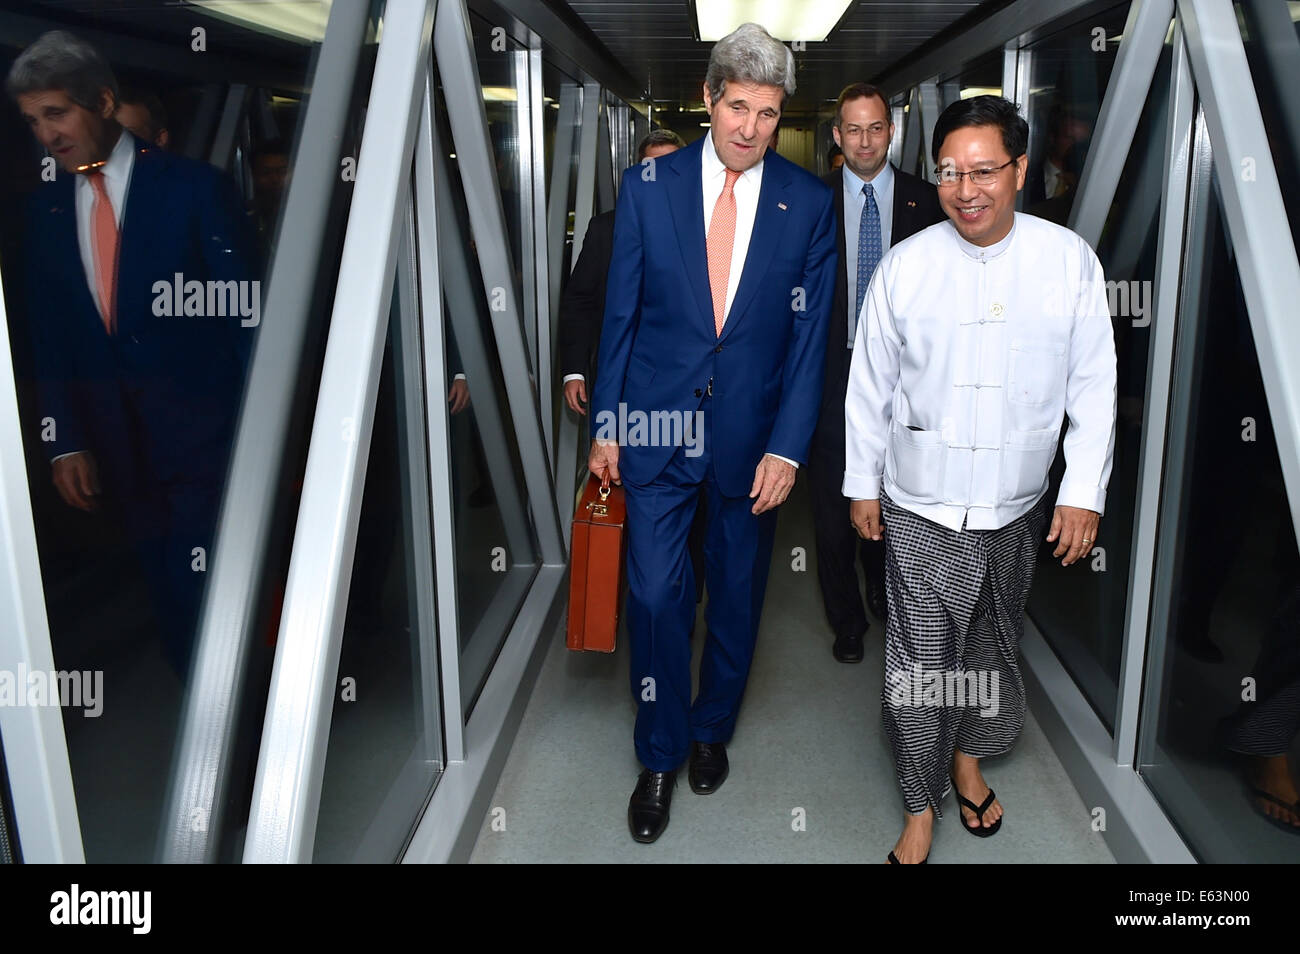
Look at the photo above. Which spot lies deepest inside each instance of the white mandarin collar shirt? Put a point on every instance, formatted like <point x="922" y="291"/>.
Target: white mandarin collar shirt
<point x="746" y="190"/>
<point x="855" y="203"/>
<point x="117" y="178"/>
<point x="966" y="364"/>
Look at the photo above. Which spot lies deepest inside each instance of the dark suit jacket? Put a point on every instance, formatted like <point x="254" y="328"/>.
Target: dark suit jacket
<point x="156" y="402"/>
<point x="583" y="304"/>
<point x="916" y="207"/>
<point x="659" y="348"/>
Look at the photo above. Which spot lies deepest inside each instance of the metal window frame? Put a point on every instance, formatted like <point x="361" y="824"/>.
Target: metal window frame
<point x="291" y="762"/>
<point x="1130" y="82"/>
<point x="44" y="801"/>
<point x="543" y="342"/>
<point x="205" y="742"/>
<point x="439" y="436"/>
<point x="454" y="51"/>
<point x="1256" y="219"/>
<point x="1155" y="425"/>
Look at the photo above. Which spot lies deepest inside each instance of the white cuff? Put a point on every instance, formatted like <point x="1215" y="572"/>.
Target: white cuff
<point x="68" y="454"/>
<point x="574" y="377"/>
<point x="459" y="377"/>
<point x="792" y="463"/>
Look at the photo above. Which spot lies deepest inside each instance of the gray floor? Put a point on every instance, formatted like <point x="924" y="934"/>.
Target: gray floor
<point x="811" y="776"/>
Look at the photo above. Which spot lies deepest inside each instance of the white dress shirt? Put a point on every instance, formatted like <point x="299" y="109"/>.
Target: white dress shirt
<point x="966" y="363"/>
<point x="117" y="178"/>
<point x="855" y="203"/>
<point x="713" y="175"/>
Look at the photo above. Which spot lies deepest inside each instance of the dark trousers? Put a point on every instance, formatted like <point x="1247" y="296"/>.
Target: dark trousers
<point x="165" y="525"/>
<point x="839" y="548"/>
<point x="661" y="605"/>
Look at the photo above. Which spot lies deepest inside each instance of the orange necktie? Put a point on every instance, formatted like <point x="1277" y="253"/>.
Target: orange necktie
<point x="104" y="242"/>
<point x="722" y="236"/>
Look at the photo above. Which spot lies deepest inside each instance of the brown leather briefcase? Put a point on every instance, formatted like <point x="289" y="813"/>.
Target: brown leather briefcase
<point x="596" y="567"/>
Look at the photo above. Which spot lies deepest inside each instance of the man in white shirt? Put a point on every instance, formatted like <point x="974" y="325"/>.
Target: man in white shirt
<point x="716" y="309"/>
<point x="957" y="390"/>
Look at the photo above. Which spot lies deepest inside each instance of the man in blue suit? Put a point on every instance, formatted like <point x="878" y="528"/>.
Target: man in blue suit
<point x="142" y="298"/>
<point x="711" y="357"/>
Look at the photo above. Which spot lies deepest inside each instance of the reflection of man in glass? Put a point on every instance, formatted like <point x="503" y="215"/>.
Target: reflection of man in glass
<point x="1049" y="189"/>
<point x="957" y="391"/>
<point x="270" y="179"/>
<point x="141" y="301"/>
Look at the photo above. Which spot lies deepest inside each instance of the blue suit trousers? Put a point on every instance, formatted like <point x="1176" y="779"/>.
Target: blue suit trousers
<point x="661" y="604"/>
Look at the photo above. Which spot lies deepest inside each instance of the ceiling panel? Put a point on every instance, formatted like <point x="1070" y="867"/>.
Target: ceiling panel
<point x="654" y="40"/>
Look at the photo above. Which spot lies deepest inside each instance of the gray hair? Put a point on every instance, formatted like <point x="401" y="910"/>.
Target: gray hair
<point x="59" y="60"/>
<point x="749" y="54"/>
<point x="658" y="137"/>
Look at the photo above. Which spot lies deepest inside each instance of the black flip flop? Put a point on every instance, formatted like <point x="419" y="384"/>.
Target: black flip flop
<point x="893" y="859"/>
<point x="979" y="810"/>
<point x="1276" y="822"/>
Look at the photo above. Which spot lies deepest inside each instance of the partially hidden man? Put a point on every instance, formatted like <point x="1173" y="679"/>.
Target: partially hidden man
<point x="717" y="304"/>
<point x="877" y="205"/>
<point x="981" y="335"/>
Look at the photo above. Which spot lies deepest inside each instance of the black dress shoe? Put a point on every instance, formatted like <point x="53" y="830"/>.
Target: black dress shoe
<point x="876" y="603"/>
<point x="848" y="649"/>
<point x="647" y="812"/>
<point x="709" y="767"/>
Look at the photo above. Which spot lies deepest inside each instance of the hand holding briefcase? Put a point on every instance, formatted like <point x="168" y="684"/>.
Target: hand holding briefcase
<point x="596" y="567"/>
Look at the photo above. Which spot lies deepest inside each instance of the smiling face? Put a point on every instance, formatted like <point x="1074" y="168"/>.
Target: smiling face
<point x="864" y="132"/>
<point x="75" y="136"/>
<point x="743" y="121"/>
<point x="983" y="214"/>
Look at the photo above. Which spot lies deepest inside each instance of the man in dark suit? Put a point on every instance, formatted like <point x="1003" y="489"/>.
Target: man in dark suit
<point x="876" y="205"/>
<point x="142" y="298"/>
<point x="717" y="303"/>
<point x="583" y="305"/>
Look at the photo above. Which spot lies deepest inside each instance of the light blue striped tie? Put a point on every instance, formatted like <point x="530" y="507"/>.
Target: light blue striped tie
<point x="869" y="248"/>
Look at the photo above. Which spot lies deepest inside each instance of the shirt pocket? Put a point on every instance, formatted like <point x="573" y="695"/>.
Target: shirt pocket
<point x="1035" y="371"/>
<point x="1026" y="458"/>
<point x="917" y="457"/>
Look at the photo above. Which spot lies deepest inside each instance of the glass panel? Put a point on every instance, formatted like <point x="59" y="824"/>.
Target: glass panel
<point x="1081" y="609"/>
<point x="1068" y="75"/>
<point x="1274" y="66"/>
<point x="495" y="539"/>
<point x="503" y="71"/>
<point x="1226" y="715"/>
<point x="150" y="396"/>
<point x="976" y="78"/>
<point x="384" y="745"/>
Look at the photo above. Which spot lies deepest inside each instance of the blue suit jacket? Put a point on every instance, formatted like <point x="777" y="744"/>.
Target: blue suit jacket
<point x="155" y="403"/>
<point x="658" y="346"/>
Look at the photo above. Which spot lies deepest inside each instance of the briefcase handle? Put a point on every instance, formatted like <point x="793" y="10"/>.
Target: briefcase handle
<point x="601" y="509"/>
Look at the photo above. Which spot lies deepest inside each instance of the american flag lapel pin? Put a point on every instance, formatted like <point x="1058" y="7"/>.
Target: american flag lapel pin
<point x="781" y="206"/>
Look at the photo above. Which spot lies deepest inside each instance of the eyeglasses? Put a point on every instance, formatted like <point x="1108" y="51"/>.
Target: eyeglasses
<point x="857" y="132"/>
<point x="980" y="177"/>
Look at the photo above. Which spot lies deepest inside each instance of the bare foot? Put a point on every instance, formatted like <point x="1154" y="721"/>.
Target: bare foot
<point x="970" y="783"/>
<point x="1272" y="774"/>
<point x="913" y="845"/>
